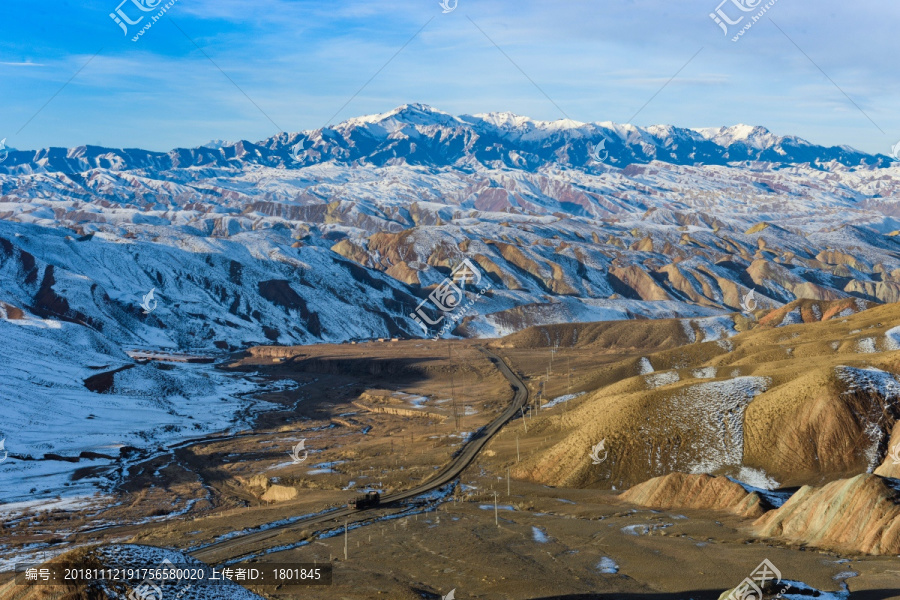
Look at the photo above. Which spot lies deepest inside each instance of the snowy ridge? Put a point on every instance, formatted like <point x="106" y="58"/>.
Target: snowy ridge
<point x="716" y="412"/>
<point x="882" y="389"/>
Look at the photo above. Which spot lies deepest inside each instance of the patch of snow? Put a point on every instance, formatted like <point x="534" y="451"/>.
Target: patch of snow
<point x="644" y="529"/>
<point x="325" y="467"/>
<point x="689" y="330"/>
<point x="714" y="411"/>
<point x="866" y="346"/>
<point x="704" y="373"/>
<point x="561" y="399"/>
<point x="792" y="318"/>
<point x="775" y="498"/>
<point x="538" y="535"/>
<point x="716" y="328"/>
<point x="892" y="338"/>
<point x="644" y="366"/>
<point x="660" y="379"/>
<point x="607" y="566"/>
<point x="499" y="507"/>
<point x="757" y="478"/>
<point x="414" y="399"/>
<point x="639" y="529"/>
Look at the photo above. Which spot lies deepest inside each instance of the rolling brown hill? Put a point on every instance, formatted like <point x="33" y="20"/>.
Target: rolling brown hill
<point x="861" y="514"/>
<point x="794" y="404"/>
<point x="677" y="490"/>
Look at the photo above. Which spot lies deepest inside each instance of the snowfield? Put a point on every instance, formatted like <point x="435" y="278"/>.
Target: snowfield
<point x="151" y="557"/>
<point x="714" y="412"/>
<point x="47" y="409"/>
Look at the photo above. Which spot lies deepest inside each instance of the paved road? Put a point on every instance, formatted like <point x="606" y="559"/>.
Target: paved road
<point x="244" y="544"/>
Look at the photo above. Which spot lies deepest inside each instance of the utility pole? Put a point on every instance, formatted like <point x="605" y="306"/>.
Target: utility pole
<point x="517" y="448"/>
<point x="345" y="539"/>
<point x="507" y="482"/>
<point x="496" y="513"/>
<point x="452" y="386"/>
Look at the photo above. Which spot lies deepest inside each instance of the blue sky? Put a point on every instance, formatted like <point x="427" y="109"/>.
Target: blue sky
<point x="300" y="61"/>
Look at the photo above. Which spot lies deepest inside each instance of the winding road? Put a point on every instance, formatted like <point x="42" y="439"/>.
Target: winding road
<point x="240" y="544"/>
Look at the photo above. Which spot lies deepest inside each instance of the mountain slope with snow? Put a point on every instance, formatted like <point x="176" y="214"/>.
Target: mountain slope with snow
<point x="340" y="233"/>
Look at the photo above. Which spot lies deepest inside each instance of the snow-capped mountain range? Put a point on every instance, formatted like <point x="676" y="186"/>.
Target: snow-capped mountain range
<point x="340" y="232"/>
<point x="416" y="134"/>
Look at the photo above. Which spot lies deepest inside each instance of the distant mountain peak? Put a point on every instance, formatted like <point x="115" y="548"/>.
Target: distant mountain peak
<point x="414" y="113"/>
<point x="510" y="120"/>
<point x="754" y="136"/>
<point x="217" y="144"/>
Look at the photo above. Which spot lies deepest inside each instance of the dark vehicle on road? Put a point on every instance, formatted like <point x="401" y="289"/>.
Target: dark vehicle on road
<point x="370" y="500"/>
